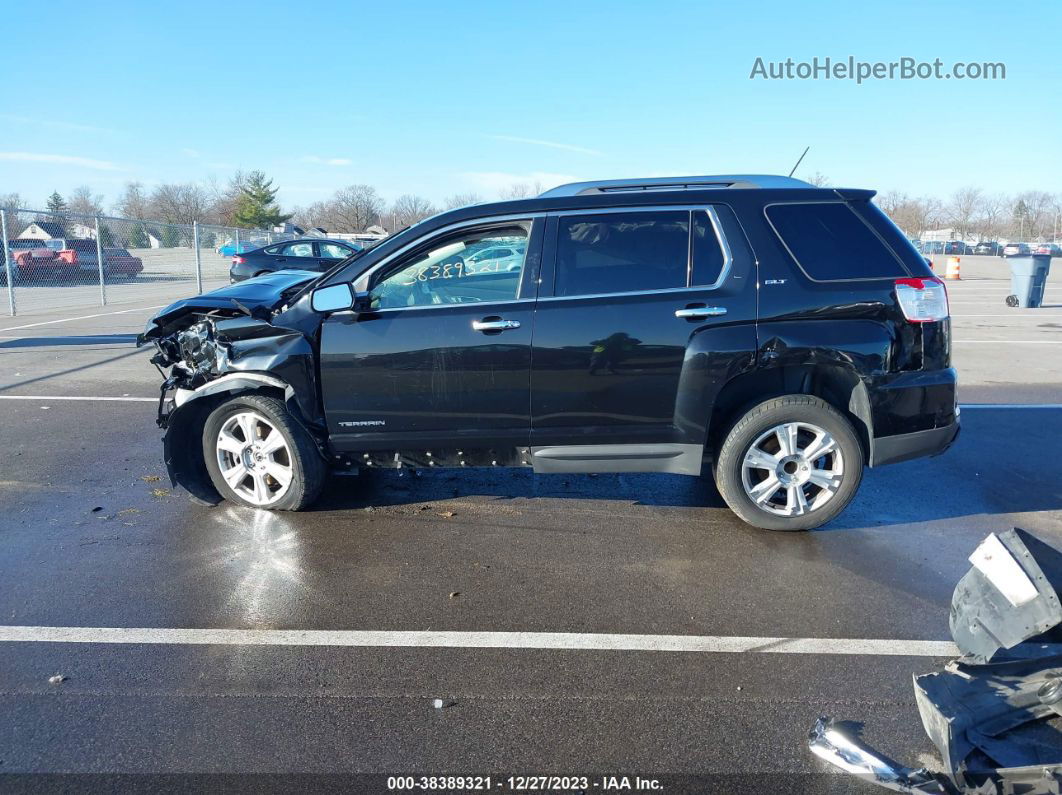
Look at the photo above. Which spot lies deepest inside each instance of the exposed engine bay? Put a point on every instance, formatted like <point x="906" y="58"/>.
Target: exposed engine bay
<point x="246" y="337"/>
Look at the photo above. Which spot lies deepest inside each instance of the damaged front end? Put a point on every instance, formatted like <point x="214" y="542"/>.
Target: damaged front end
<point x="994" y="714"/>
<point x="249" y="337"/>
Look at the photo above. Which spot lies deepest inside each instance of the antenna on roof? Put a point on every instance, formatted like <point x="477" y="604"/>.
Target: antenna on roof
<point x="799" y="161"/>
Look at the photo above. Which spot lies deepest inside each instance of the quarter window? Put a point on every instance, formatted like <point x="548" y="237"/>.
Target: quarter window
<point x="708" y="259"/>
<point x="622" y="252"/>
<point x="459" y="268"/>
<point x="830" y="242"/>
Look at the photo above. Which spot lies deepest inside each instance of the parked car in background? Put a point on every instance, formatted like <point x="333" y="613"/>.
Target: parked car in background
<point x="955" y="247"/>
<point x="20" y="252"/>
<point x="306" y="254"/>
<point x="118" y="262"/>
<point x="231" y="249"/>
<point x="54" y="260"/>
<point x="495" y="258"/>
<point x="987" y="247"/>
<point x="1016" y="250"/>
<point x="1050" y="249"/>
<point x="686" y="326"/>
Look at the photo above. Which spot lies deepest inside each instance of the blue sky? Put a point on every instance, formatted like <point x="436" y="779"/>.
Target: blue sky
<point x="440" y="98"/>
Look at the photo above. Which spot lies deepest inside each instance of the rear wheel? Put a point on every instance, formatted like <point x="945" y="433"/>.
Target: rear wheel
<point x="257" y="456"/>
<point x="790" y="463"/>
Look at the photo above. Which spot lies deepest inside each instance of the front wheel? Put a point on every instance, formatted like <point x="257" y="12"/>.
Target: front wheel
<point x="790" y="463"/>
<point x="258" y="456"/>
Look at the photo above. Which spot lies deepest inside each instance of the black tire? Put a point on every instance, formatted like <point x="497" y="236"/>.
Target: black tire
<point x="308" y="470"/>
<point x="761" y="419"/>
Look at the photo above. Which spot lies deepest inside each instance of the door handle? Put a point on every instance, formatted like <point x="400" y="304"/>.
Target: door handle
<point x="700" y="311"/>
<point x="495" y="324"/>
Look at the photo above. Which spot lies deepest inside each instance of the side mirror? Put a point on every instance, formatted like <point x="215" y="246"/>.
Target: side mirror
<point x="332" y="299"/>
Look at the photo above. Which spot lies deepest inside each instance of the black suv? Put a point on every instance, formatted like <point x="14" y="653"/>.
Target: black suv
<point x="777" y="335"/>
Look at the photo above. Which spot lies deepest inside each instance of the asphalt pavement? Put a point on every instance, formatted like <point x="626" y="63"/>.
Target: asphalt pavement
<point x="94" y="538"/>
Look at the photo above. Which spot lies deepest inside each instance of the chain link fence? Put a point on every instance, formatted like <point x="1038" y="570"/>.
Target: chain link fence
<point x="59" y="260"/>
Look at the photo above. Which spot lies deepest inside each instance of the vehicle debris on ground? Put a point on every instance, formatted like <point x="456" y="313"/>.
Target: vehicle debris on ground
<point x="995" y="713"/>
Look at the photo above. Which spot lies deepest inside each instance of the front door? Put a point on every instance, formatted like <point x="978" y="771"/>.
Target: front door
<point x="443" y="359"/>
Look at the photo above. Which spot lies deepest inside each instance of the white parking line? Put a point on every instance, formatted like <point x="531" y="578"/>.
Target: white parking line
<point x="1040" y="317"/>
<point x="1006" y="342"/>
<point x="48" y="398"/>
<point x="965" y="406"/>
<point x="571" y="641"/>
<point x="82" y="317"/>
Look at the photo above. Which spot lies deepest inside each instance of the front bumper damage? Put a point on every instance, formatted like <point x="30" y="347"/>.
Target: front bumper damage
<point x="222" y="344"/>
<point x="994" y="714"/>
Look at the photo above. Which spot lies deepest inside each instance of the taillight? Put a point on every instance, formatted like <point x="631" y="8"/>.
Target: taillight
<point x="923" y="300"/>
<point x="238" y="260"/>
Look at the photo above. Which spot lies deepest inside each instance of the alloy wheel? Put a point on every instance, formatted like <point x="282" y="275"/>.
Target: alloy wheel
<point x="792" y="469"/>
<point x="254" y="458"/>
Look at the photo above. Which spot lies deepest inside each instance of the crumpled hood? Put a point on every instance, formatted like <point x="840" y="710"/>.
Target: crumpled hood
<point x="261" y="292"/>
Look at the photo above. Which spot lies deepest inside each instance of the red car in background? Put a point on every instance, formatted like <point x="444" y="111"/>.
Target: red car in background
<point x="62" y="260"/>
<point x="119" y="262"/>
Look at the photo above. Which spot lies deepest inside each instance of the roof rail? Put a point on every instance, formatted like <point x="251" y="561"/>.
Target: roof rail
<point x="674" y="183"/>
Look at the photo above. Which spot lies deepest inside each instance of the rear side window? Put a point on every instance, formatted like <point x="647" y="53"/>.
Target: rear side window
<point x="622" y="252"/>
<point x="830" y="242"/>
<point x="298" y="250"/>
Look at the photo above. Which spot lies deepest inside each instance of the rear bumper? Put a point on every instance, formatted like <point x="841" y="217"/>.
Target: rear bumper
<point x="905" y="446"/>
<point x="914" y="415"/>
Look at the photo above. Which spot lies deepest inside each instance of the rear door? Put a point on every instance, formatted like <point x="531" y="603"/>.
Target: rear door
<point x="329" y="253"/>
<point x="624" y="294"/>
<point x="298" y="255"/>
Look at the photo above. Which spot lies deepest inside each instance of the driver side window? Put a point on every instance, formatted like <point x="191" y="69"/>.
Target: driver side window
<point x="469" y="266"/>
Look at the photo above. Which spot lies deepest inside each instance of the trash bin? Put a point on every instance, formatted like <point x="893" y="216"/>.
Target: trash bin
<point x="1028" y="278"/>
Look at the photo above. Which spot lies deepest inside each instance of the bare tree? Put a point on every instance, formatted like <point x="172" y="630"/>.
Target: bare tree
<point x="315" y="214"/>
<point x="462" y="200"/>
<point x="963" y="208"/>
<point x="353" y="208"/>
<point x="989" y="223"/>
<point x="84" y="202"/>
<point x="912" y="215"/>
<point x="890" y="200"/>
<point x="929" y="211"/>
<point x="522" y="190"/>
<point x="180" y="203"/>
<point x="409" y="209"/>
<point x="10" y="201"/>
<point x="818" y="180"/>
<point x="1032" y="211"/>
<point x="1056" y="216"/>
<point x="133" y="203"/>
<point x="226" y="198"/>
